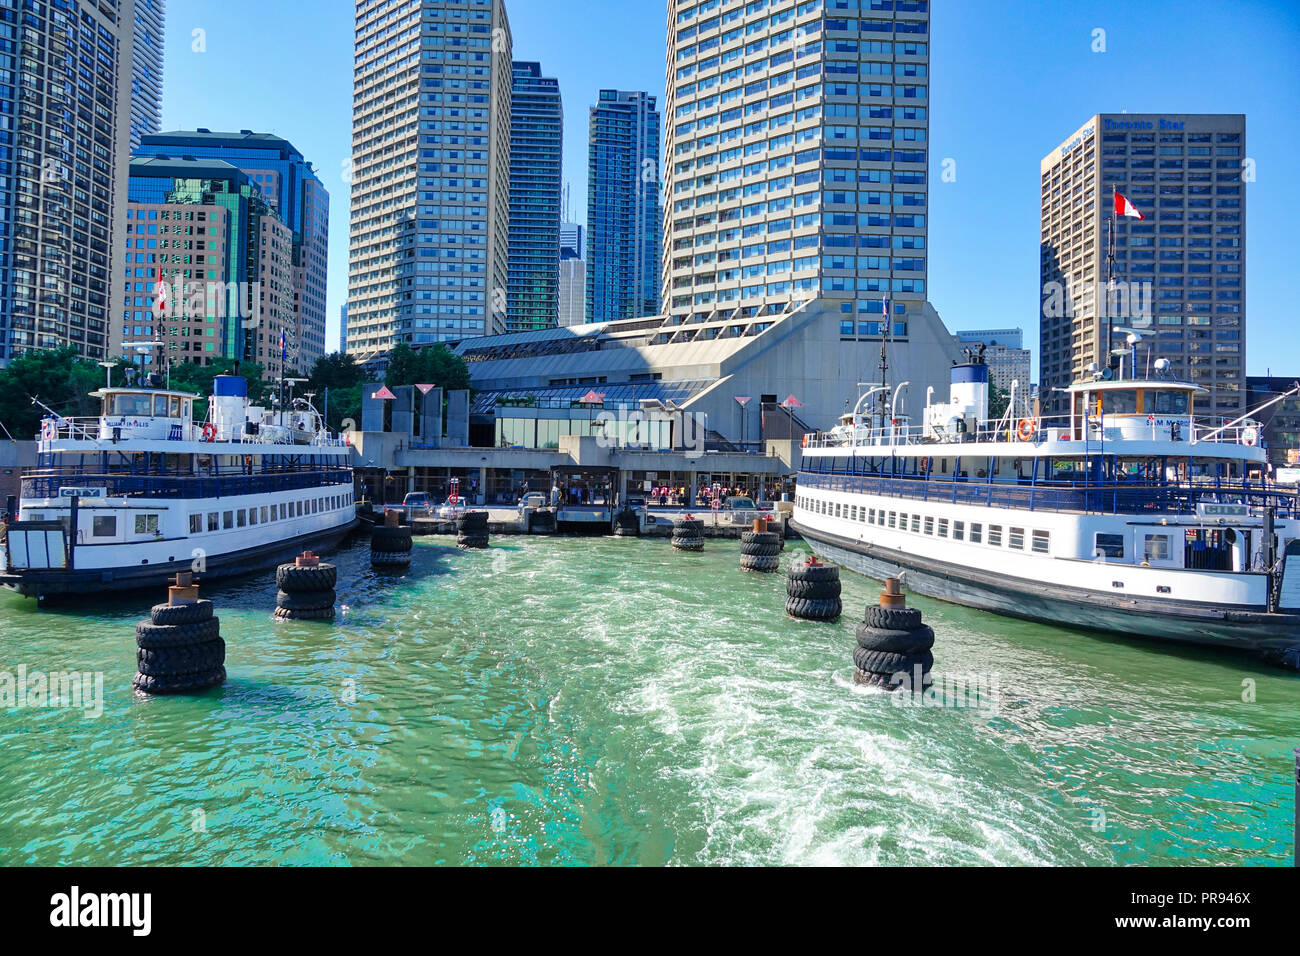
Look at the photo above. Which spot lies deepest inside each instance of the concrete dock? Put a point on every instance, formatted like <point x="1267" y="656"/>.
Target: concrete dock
<point x="657" y="522"/>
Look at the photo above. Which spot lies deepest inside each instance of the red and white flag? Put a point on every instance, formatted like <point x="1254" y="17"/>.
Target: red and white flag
<point x="1125" y="208"/>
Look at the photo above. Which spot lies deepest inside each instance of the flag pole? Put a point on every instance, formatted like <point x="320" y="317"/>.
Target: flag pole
<point x="1110" y="278"/>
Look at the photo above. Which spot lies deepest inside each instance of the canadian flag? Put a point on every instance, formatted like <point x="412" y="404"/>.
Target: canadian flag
<point x="1125" y="208"/>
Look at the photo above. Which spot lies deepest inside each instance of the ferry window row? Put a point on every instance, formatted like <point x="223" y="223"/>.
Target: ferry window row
<point x="974" y="532"/>
<point x="266" y="514"/>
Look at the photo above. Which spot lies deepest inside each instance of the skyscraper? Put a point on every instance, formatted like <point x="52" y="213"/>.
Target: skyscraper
<point x="65" y="111"/>
<point x="1180" y="272"/>
<point x="573" y="275"/>
<point x="796" y="158"/>
<point x="147" y="68"/>
<point x="573" y="291"/>
<point x="536" y="139"/>
<point x="291" y="186"/>
<point x="1007" y="358"/>
<point x="571" y="244"/>
<point x="430" y="214"/>
<point x="205" y="230"/>
<point x="624" y="231"/>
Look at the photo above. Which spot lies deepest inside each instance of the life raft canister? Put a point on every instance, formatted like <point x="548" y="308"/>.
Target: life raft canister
<point x="1025" y="430"/>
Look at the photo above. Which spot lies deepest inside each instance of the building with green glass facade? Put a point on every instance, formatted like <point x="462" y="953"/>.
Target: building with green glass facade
<point x="291" y="185"/>
<point x="203" y="229"/>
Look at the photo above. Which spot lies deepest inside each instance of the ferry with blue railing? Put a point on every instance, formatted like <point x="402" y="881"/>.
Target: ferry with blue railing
<point x="129" y="498"/>
<point x="1128" y="515"/>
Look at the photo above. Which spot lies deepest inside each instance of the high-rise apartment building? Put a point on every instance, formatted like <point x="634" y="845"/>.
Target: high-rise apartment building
<point x="1180" y="272"/>
<point x="430" y="172"/>
<point x="295" y="192"/>
<point x="624" y="231"/>
<point x="209" y="264"/>
<point x="536" y="140"/>
<point x="65" y="117"/>
<point x="797" y="158"/>
<point x="147" y="68"/>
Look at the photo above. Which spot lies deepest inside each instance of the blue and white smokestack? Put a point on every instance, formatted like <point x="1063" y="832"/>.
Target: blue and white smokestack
<point x="970" y="391"/>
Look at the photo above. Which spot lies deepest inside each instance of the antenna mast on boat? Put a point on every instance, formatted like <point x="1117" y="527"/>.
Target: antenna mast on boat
<point x="1104" y="359"/>
<point x="884" y="363"/>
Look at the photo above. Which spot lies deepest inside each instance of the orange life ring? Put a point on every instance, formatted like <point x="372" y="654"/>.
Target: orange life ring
<point x="209" y="432"/>
<point x="1025" y="430"/>
<point x="805" y="441"/>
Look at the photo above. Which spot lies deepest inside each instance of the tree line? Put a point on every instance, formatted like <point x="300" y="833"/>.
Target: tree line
<point x="61" y="380"/>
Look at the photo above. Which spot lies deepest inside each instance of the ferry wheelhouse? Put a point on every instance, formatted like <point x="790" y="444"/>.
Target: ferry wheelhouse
<point x="1130" y="516"/>
<point x="129" y="498"/>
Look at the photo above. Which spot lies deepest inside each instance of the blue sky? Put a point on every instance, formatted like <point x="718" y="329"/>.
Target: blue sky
<point x="1010" y="80"/>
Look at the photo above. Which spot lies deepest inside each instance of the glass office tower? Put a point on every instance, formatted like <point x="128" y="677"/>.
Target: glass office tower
<point x="1180" y="272"/>
<point x="295" y="191"/>
<point x="624" y="232"/>
<point x="430" y="173"/>
<point x="536" y="140"/>
<point x="797" y="157"/>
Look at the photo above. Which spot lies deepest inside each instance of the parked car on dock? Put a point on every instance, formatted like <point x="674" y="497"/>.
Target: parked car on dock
<point x="534" y="499"/>
<point x="417" y="505"/>
<point x="742" y="509"/>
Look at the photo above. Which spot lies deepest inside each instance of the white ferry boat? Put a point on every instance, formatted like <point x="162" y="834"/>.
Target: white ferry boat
<point x="1130" y="517"/>
<point x="128" y="499"/>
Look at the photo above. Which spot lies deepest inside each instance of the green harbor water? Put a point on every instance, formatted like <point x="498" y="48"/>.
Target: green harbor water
<point x="611" y="701"/>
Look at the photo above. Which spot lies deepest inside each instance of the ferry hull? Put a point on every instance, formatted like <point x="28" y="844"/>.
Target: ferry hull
<point x="1275" y="636"/>
<point x="55" y="584"/>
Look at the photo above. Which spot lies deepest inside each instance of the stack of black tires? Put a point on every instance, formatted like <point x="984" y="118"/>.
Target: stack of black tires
<point x="812" y="591"/>
<point x="179" y="649"/>
<point x="893" y="641"/>
<point x="688" y="534"/>
<point x="627" y="524"/>
<point x="390" y="546"/>
<point x="305" y="593"/>
<point x="760" y="551"/>
<point x="472" y="530"/>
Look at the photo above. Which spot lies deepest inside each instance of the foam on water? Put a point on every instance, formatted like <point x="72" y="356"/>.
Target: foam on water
<point x="613" y="701"/>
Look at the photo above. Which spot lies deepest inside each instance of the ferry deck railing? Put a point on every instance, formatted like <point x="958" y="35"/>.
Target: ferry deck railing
<point x="1209" y="431"/>
<point x="207" y="486"/>
<point x="1136" y="498"/>
<point x="87" y="429"/>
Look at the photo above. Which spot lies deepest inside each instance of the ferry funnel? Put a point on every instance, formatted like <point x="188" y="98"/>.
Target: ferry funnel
<point x="970" y="390"/>
<point x="229" y="406"/>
